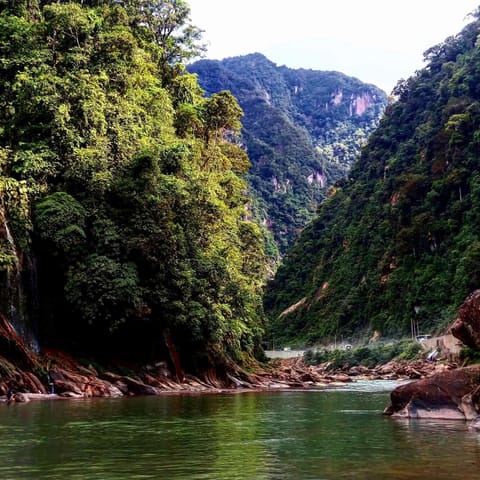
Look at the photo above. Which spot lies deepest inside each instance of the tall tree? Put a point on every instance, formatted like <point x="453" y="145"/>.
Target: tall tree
<point x="137" y="223"/>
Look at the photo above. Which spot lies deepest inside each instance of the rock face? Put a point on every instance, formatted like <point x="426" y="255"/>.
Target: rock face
<point x="467" y="326"/>
<point x="450" y="395"/>
<point x="66" y="383"/>
<point x="298" y="125"/>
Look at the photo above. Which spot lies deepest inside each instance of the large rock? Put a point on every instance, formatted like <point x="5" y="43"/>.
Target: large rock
<point x="130" y="386"/>
<point x="467" y="326"/>
<point x="67" y="382"/>
<point x="448" y="395"/>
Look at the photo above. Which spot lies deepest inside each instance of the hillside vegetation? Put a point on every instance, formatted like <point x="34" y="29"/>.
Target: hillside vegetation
<point x="396" y="247"/>
<point x="123" y="217"/>
<point x="302" y="130"/>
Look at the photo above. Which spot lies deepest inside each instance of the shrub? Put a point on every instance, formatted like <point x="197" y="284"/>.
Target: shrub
<point x="469" y="355"/>
<point x="368" y="356"/>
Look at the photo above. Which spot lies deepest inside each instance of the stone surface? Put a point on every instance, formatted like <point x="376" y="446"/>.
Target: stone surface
<point x="467" y="326"/>
<point x="447" y="395"/>
<point x="20" y="398"/>
<point x="129" y="385"/>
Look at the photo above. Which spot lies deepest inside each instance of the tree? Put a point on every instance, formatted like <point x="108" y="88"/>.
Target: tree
<point x="136" y="242"/>
<point x="221" y="113"/>
<point x="168" y="23"/>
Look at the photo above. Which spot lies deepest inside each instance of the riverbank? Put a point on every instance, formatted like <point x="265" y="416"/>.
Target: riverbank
<point x="58" y="375"/>
<point x="335" y="433"/>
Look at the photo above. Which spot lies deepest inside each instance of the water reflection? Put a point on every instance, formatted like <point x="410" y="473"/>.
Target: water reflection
<point x="329" y="434"/>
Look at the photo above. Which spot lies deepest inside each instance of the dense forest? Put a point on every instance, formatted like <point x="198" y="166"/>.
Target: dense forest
<point x="126" y="225"/>
<point x="124" y="221"/>
<point x="302" y="131"/>
<point x="396" y="247"/>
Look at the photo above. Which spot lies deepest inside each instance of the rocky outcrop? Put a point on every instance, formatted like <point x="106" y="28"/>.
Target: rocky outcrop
<point x="447" y="395"/>
<point x="65" y="383"/>
<point x="467" y="326"/>
<point x="13" y="346"/>
<point x="64" y="377"/>
<point x="451" y="394"/>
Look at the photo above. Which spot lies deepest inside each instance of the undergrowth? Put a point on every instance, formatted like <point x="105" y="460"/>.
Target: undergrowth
<point x="367" y="356"/>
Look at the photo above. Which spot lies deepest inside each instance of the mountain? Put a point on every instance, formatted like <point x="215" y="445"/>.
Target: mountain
<point x="302" y="130"/>
<point x="396" y="247"/>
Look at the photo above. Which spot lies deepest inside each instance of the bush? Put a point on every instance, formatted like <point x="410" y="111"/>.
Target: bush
<point x="367" y="356"/>
<point x="469" y="355"/>
<point x="410" y="351"/>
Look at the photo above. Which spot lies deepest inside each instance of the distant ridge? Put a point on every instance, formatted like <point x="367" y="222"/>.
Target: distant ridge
<point x="396" y="247"/>
<point x="302" y="130"/>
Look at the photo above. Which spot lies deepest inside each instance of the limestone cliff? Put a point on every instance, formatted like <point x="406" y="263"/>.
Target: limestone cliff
<point x="302" y="130"/>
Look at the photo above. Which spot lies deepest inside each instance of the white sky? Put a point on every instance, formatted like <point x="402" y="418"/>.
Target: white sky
<point x="377" y="41"/>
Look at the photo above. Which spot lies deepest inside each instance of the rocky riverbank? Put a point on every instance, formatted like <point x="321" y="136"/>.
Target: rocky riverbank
<point x="26" y="375"/>
<point x="447" y="394"/>
<point x="58" y="375"/>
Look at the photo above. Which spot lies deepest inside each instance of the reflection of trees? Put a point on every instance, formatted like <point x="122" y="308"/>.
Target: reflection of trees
<point x="289" y="435"/>
<point x="241" y="453"/>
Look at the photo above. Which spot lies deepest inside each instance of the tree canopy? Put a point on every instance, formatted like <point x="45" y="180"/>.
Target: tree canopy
<point x="302" y="130"/>
<point x="395" y="246"/>
<point x="124" y="182"/>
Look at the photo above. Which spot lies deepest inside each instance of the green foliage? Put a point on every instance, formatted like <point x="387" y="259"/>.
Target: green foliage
<point x="104" y="292"/>
<point x="167" y="24"/>
<point x="469" y="356"/>
<point x="396" y="245"/>
<point x="221" y="113"/>
<point x="302" y="131"/>
<point x="366" y="356"/>
<point x="60" y="219"/>
<point x="123" y="180"/>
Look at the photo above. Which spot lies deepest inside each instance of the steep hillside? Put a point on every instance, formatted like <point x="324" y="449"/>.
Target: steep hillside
<point x="396" y="247"/>
<point x="302" y="130"/>
<point x="122" y="202"/>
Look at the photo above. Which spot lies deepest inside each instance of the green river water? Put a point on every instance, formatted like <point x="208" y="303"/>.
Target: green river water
<point x="322" y="434"/>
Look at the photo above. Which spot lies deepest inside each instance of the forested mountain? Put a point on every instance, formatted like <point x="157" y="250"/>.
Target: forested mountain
<point x="123" y="217"/>
<point x="302" y="130"/>
<point x="396" y="247"/>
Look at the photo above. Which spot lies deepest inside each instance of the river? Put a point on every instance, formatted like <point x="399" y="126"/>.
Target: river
<point x="322" y="434"/>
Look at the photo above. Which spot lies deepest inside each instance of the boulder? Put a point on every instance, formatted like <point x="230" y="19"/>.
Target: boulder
<point x="136" y="387"/>
<point x="339" y="378"/>
<point x="451" y="394"/>
<point x="101" y="388"/>
<point x="467" y="326"/>
<point x="21" y="398"/>
<point x="65" y="381"/>
<point x="130" y="386"/>
<point x="70" y="395"/>
<point x="62" y="386"/>
<point x="33" y="384"/>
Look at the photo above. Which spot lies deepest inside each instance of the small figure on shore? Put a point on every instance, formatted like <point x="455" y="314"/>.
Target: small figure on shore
<point x="432" y="356"/>
<point x="10" y="394"/>
<point x="51" y="385"/>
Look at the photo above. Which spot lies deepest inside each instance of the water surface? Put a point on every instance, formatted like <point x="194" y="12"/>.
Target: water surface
<point x="322" y="434"/>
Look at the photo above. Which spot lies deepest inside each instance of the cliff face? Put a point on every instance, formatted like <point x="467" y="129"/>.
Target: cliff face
<point x="18" y="294"/>
<point x="302" y="130"/>
<point x="397" y="244"/>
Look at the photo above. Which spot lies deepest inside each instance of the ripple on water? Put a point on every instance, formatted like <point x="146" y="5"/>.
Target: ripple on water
<point x="365" y="386"/>
<point x="332" y="434"/>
